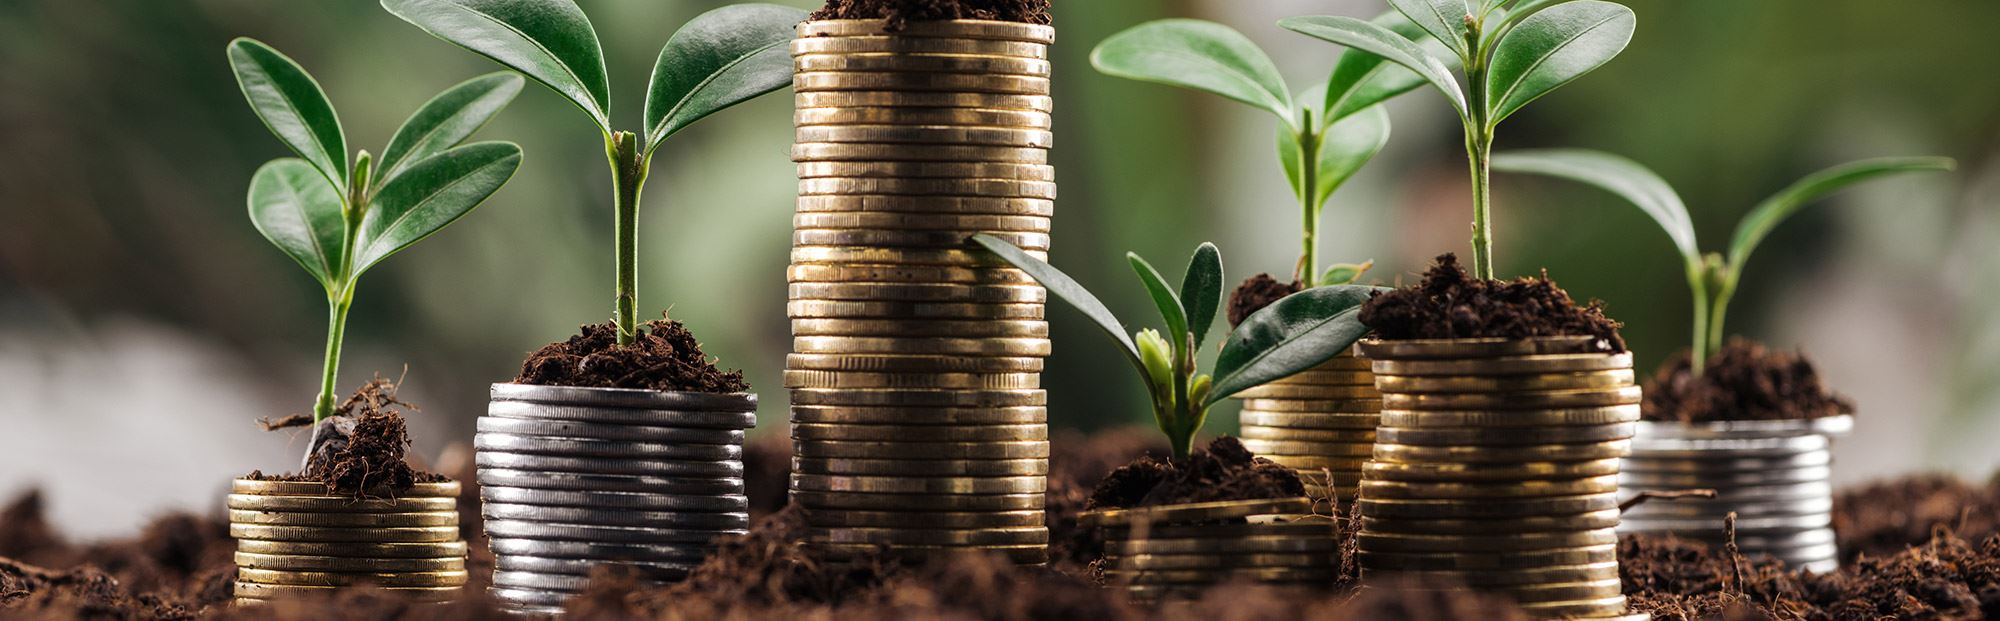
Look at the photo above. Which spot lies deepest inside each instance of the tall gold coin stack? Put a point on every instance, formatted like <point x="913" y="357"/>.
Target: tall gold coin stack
<point x="1320" y="422"/>
<point x="1496" y="465"/>
<point x="918" y="419"/>
<point x="1176" y="550"/>
<point x="295" y="538"/>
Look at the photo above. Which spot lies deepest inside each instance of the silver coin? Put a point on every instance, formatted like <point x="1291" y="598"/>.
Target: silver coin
<point x="626" y="398"/>
<point x="699" y="419"/>
<point x="614" y="500"/>
<point x="531" y="597"/>
<point x="545" y="582"/>
<point x="1741" y="494"/>
<point x="1745" y="429"/>
<point x="1682" y="509"/>
<point x="1646" y="462"/>
<point x="616" y="517"/>
<point x="1729" y="448"/>
<point x="485" y="441"/>
<point x="663" y="570"/>
<point x="1646" y="523"/>
<point x="607" y="431"/>
<point x="1717" y="479"/>
<point x="527" y="609"/>
<point x="499" y="528"/>
<point x="1772" y="540"/>
<point x="592" y="550"/>
<point x="573" y="481"/>
<point x="599" y="465"/>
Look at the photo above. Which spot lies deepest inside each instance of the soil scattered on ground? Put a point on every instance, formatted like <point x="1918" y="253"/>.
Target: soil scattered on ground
<point x="664" y="356"/>
<point x="1255" y="293"/>
<point x="1451" y="304"/>
<point x="363" y="447"/>
<point x="1744" y="381"/>
<point x="1223" y="471"/>
<point x="899" y="12"/>
<point x="1885" y="517"/>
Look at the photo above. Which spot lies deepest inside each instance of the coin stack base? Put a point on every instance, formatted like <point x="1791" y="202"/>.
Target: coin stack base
<point x="1496" y="466"/>
<point x="1181" y="550"/>
<point x="299" y="538"/>
<point x="1320" y="422"/>
<point x="1772" y="474"/>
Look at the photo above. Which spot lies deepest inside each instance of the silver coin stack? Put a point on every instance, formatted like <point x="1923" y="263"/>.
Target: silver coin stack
<point x="576" y="477"/>
<point x="1773" y="474"/>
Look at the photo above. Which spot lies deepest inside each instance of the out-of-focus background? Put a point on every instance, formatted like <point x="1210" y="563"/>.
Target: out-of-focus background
<point x="144" y="325"/>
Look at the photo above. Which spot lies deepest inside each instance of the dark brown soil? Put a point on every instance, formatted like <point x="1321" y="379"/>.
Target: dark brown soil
<point x="1077" y="463"/>
<point x="363" y="447"/>
<point x="899" y="12"/>
<point x="1223" y="471"/>
<point x="664" y="357"/>
<point x="1885" y="517"/>
<point x="1744" y="381"/>
<point x="1451" y="304"/>
<point x="1255" y="293"/>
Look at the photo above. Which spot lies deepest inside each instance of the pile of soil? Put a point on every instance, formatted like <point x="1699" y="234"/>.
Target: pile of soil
<point x="363" y="447"/>
<point x="1744" y="381"/>
<point x="1077" y="463"/>
<point x="1885" y="517"/>
<point x="1255" y="293"/>
<point x="1945" y="578"/>
<point x="664" y="356"/>
<point x="899" y="12"/>
<point x="1223" y="471"/>
<point x="1451" y="304"/>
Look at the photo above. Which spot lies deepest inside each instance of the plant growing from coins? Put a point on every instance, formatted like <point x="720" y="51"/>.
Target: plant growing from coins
<point x="719" y="59"/>
<point x="1713" y="277"/>
<point x="1512" y="52"/>
<point x="1296" y="333"/>
<point x="339" y="216"/>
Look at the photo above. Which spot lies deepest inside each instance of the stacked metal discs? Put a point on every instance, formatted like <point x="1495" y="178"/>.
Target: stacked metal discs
<point x="1496" y="465"/>
<point x="1174" y="550"/>
<point x="918" y="418"/>
<point x="576" y="477"/>
<point x="1320" y="422"/>
<point x="296" y="538"/>
<point x="1773" y="474"/>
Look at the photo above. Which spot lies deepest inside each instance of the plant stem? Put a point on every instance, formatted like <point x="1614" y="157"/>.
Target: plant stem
<point x="628" y="178"/>
<point x="1720" y="306"/>
<point x="1308" y="190"/>
<point x="1478" y="150"/>
<point x="336" y="332"/>
<point x="1698" y="354"/>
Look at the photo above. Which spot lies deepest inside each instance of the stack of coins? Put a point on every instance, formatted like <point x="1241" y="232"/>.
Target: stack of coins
<point x="1773" y="474"/>
<point x="295" y="538"/>
<point x="918" y="418"/>
<point x="576" y="477"/>
<point x="1320" y="422"/>
<point x="1496" y="466"/>
<point x="1180" y="550"/>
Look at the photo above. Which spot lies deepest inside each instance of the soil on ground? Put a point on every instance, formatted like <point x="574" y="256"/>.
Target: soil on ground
<point x="664" y="356"/>
<point x="1744" y="381"/>
<point x="1255" y="293"/>
<point x="363" y="447"/>
<point x="1451" y="304"/>
<point x="1884" y="517"/>
<point x="898" y="12"/>
<point x="1223" y="471"/>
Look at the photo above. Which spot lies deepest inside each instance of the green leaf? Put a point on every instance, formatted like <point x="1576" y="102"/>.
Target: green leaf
<point x="292" y="204"/>
<point x="1294" y="334"/>
<point x="719" y="59"/>
<point x="548" y="40"/>
<point x="1067" y="289"/>
<point x="432" y="193"/>
<point x="1503" y="20"/>
<point x="1201" y="290"/>
<point x="292" y="105"/>
<point x="1443" y="19"/>
<point x="1615" y="174"/>
<point x="1766" y="216"/>
<point x="1550" y="48"/>
<point x="446" y="120"/>
<point x="1383" y="42"/>
<point x="1344" y="149"/>
<point x="1197" y="54"/>
<point x="1361" y="79"/>
<point x="1345" y="273"/>
<point x="1164" y="298"/>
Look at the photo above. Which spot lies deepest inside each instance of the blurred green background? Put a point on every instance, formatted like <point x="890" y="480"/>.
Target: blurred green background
<point x="144" y="324"/>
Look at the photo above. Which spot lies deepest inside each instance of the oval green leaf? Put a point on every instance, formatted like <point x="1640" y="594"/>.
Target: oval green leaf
<point x="1067" y="290"/>
<point x="292" y="105"/>
<point x="1361" y="79"/>
<point x="1197" y="54"/>
<point x="1383" y="42"/>
<point x="432" y="193"/>
<point x="446" y="120"/>
<point x="1201" y="290"/>
<point x="1443" y="19"/>
<point x="1345" y="273"/>
<point x="1766" y="216"/>
<point x="548" y="40"/>
<point x="1615" y="174"/>
<point x="293" y="206"/>
<point x="1164" y="298"/>
<point x="1550" y="48"/>
<point x="1294" y="334"/>
<point x="719" y="59"/>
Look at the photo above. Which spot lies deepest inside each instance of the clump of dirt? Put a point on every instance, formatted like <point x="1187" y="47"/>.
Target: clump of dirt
<point x="1676" y="579"/>
<point x="1077" y="462"/>
<point x="899" y="12"/>
<point x="1885" y="517"/>
<point x="1451" y="304"/>
<point x="1255" y="293"/>
<point x="1223" y="471"/>
<point x="363" y="447"/>
<point x="664" y="356"/>
<point x="1744" y="381"/>
<point x="24" y="529"/>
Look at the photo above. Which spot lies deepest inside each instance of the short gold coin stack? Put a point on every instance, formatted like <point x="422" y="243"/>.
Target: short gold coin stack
<point x="1496" y="466"/>
<point x="1180" y="550"/>
<point x="918" y="419"/>
<point x="295" y="538"/>
<point x="1320" y="422"/>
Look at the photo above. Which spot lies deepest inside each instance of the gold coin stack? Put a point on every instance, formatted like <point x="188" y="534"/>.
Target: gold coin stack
<point x="1496" y="466"/>
<point x="1180" y="550"/>
<point x="296" y="538"/>
<point x="1320" y="422"/>
<point x="918" y="419"/>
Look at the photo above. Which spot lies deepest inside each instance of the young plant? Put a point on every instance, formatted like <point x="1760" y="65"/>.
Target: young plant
<point x="1512" y="52"/>
<point x="1325" y="134"/>
<point x="1296" y="333"/>
<point x="1713" y="276"/>
<point x="338" y="216"/>
<point x="719" y="59"/>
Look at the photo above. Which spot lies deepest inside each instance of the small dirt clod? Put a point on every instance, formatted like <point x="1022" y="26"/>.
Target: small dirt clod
<point x="899" y="12"/>
<point x="1255" y="293"/>
<point x="1451" y="304"/>
<point x="363" y="447"/>
<point x="1744" y="381"/>
<point x="1223" y="471"/>
<point x="663" y="356"/>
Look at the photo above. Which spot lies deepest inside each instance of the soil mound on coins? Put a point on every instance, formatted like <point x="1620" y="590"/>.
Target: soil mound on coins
<point x="1255" y="293"/>
<point x="1077" y="462"/>
<point x="899" y="12"/>
<point x="363" y="447"/>
<point x="1744" y="381"/>
<point x="1451" y="304"/>
<point x="1223" y="471"/>
<point x="664" y="356"/>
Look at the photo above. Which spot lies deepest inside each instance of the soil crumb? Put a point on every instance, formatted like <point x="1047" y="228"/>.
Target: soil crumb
<point x="1451" y="304"/>
<point x="1223" y="471"/>
<point x="1255" y="293"/>
<point x="363" y="447"/>
<point x="1885" y="517"/>
<point x="665" y="356"/>
<point x="1744" y="381"/>
<point x="899" y="12"/>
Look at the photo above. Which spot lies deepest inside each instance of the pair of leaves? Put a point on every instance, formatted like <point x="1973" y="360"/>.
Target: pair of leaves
<point x="719" y="59"/>
<point x="1190" y="312"/>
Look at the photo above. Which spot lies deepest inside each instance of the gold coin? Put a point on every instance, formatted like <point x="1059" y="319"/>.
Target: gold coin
<point x="1503" y="436"/>
<point x="921" y="398"/>
<point x="257" y="591"/>
<point x="912" y="364"/>
<point x="923" y="63"/>
<point x="1222" y="547"/>
<point x="1457" y="349"/>
<point x="920" y="450"/>
<point x="1556" y="574"/>
<point x="1512" y="418"/>
<point x="337" y="579"/>
<point x="926" y="520"/>
<point x="1594" y="520"/>
<point x="928" y="134"/>
<point x="1138" y="563"/>
<point x="1493" y="508"/>
<point x="1259" y="432"/>
<point x="445" y="489"/>
<point x="1511" y="365"/>
<point x="911" y="239"/>
<point x="1314" y="407"/>
<point x="1595" y="380"/>
<point x="1308" y="420"/>
<point x="909" y="221"/>
<point x="1389" y="451"/>
<point x="991" y="294"/>
<point x="842" y="415"/>
<point x="252" y="560"/>
<point x="331" y="534"/>
<point x="916" y="381"/>
<point x="905" y="274"/>
<point x="1304" y="526"/>
<point x="1003" y="347"/>
<point x="1277" y="391"/>
<point x="1017" y="329"/>
<point x="1195" y="512"/>
<point x="357" y="520"/>
<point x="1330" y="449"/>
<point x="1329" y="378"/>
<point x="910" y="99"/>
<point x="929" y="205"/>
<point x="1580" y="609"/>
<point x="916" y="45"/>
<point x="947" y="29"/>
<point x="1541" y="400"/>
<point x="353" y="549"/>
<point x="1489" y="489"/>
<point x="901" y="536"/>
<point x="814" y="309"/>
<point x="923" y="467"/>
<point x="1373" y="542"/>
<point x="899" y="256"/>
<point x="1490" y="561"/>
<point x="920" y="433"/>
<point x="1259" y="574"/>
<point x="857" y="151"/>
<point x="1602" y="588"/>
<point x="1397" y="471"/>
<point x="934" y="82"/>
<point x="341" y="504"/>
<point x="920" y="485"/>
<point x="1000" y="188"/>
<point x="1336" y="463"/>
<point x="817" y="501"/>
<point x="1022" y="119"/>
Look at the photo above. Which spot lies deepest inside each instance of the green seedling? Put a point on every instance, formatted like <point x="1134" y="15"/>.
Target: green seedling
<point x="1325" y="134"/>
<point x="338" y="216"/>
<point x="1296" y="333"/>
<point x="1512" y="52"/>
<point x="1713" y="276"/>
<point x="719" y="59"/>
